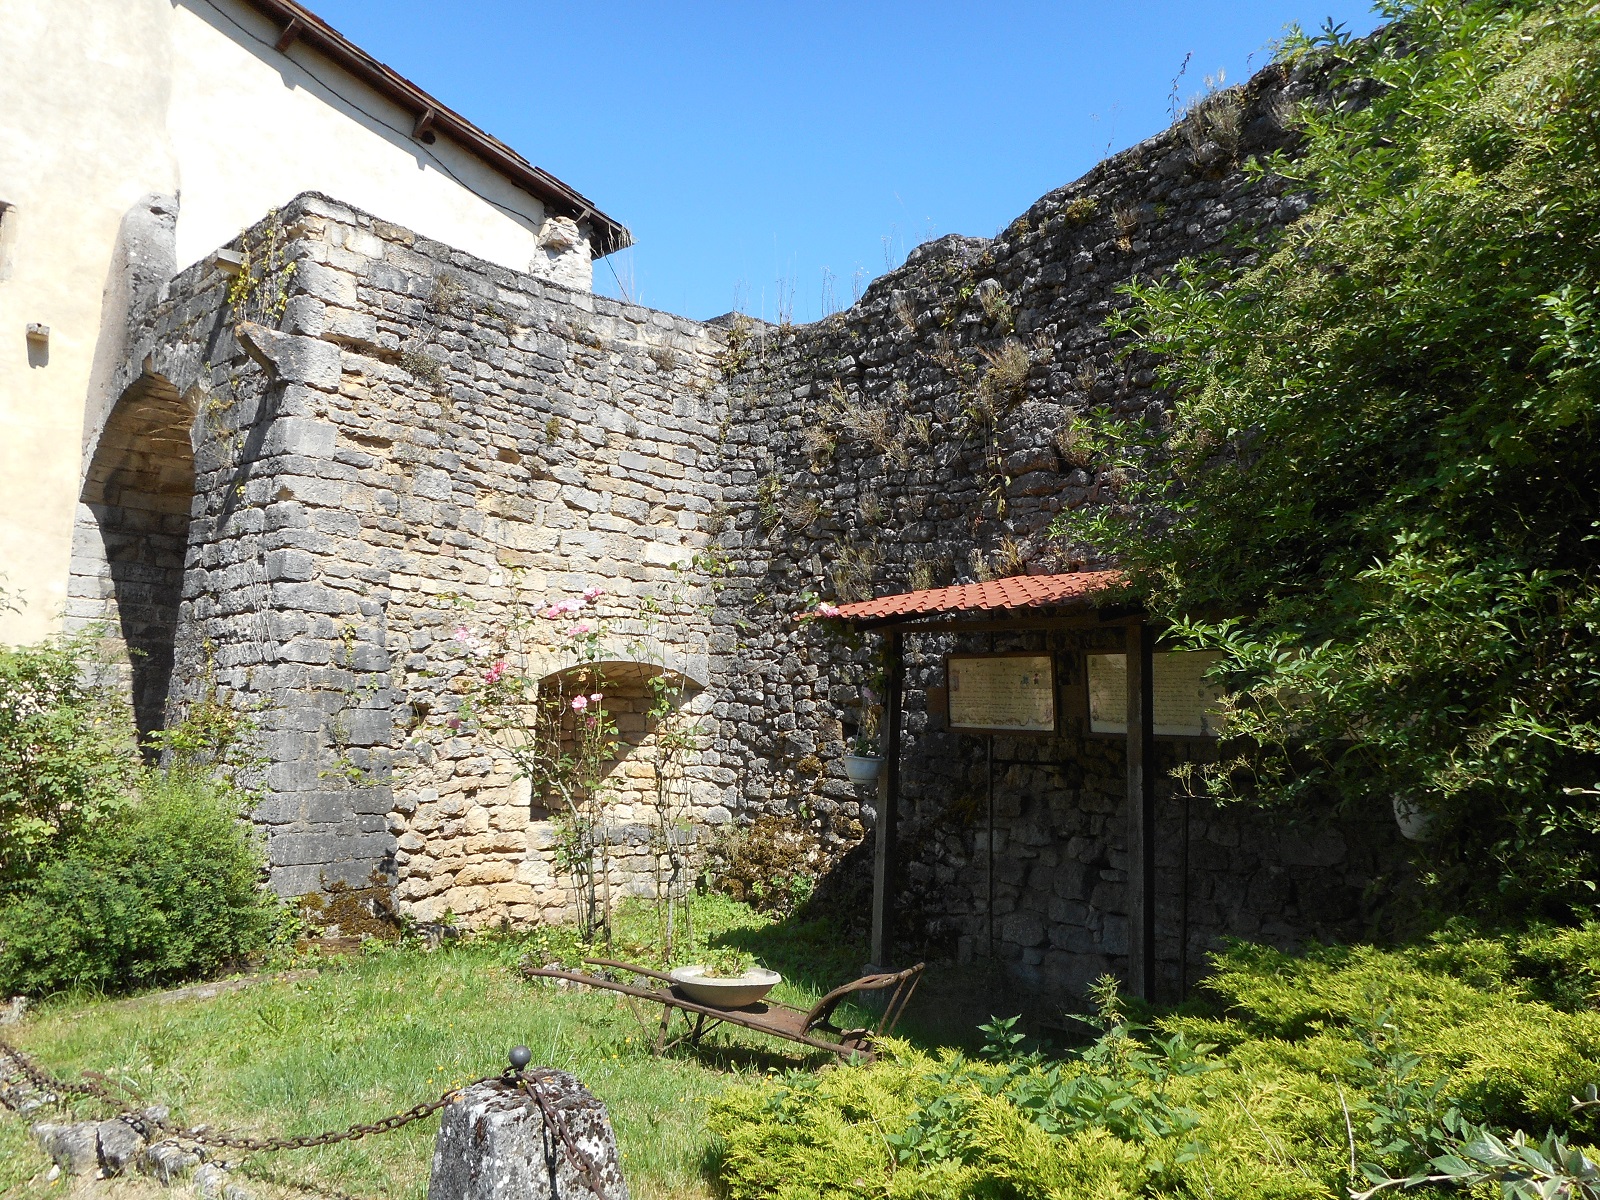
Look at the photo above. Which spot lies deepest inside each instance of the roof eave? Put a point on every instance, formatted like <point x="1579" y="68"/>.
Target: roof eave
<point x="607" y="235"/>
<point x="1087" y="615"/>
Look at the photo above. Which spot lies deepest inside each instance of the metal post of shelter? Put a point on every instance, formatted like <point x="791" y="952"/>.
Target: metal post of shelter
<point x="886" y="850"/>
<point x="988" y="767"/>
<point x="1141" y="812"/>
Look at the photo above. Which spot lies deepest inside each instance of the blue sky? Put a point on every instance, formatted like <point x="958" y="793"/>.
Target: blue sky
<point x="777" y="157"/>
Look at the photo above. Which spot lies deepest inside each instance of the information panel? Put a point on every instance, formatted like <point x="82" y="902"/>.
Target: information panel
<point x="1001" y="693"/>
<point x="1186" y="703"/>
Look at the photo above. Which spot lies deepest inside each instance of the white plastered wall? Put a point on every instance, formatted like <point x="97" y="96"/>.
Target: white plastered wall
<point x="106" y="102"/>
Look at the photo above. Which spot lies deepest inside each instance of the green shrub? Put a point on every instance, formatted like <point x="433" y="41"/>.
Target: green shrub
<point x="1309" y="1076"/>
<point x="167" y="889"/>
<point x="65" y="752"/>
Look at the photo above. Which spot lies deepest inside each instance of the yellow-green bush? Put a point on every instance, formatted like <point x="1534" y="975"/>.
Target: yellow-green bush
<point x="1299" y="1065"/>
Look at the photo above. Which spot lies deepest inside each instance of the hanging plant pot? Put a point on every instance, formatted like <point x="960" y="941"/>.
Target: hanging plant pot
<point x="862" y="768"/>
<point x="1416" y="824"/>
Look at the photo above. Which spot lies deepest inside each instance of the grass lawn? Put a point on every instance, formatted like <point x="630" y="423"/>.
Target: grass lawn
<point x="374" y="1033"/>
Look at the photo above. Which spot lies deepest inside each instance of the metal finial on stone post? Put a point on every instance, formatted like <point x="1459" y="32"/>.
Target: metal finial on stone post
<point x="529" y="1135"/>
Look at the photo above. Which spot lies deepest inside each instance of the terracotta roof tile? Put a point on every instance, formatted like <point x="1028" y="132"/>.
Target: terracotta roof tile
<point x="1017" y="592"/>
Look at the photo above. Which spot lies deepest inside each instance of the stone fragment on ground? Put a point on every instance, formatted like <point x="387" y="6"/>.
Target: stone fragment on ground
<point x="120" y="1146"/>
<point x="168" y="1162"/>
<point x="212" y="1182"/>
<point x="105" y="1148"/>
<point x="493" y="1144"/>
<point x="74" y="1146"/>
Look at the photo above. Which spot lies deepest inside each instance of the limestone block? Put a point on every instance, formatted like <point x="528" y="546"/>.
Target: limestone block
<point x="167" y="1162"/>
<point x="325" y="283"/>
<point x="295" y="566"/>
<point x="492" y="1145"/>
<point x="302" y="360"/>
<point x="489" y="872"/>
<point x="663" y="554"/>
<point x="74" y="1147"/>
<point x="1024" y="929"/>
<point x="300" y="435"/>
<point x="304" y="315"/>
<point x="432" y="484"/>
<point x="120" y="1145"/>
<point x="466" y="900"/>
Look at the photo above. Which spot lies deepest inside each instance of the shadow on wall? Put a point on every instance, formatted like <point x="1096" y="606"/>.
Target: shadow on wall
<point x="138" y="492"/>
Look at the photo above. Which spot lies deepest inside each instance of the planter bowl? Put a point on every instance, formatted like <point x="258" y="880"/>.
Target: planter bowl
<point x="1416" y="824"/>
<point x="861" y="768"/>
<point x="718" y="992"/>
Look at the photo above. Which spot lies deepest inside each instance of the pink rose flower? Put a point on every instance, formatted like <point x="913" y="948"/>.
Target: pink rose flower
<point x="495" y="672"/>
<point x="581" y="628"/>
<point x="579" y="703"/>
<point x="827" y="610"/>
<point x="596" y="698"/>
<point x="593" y="593"/>
<point x="554" y="611"/>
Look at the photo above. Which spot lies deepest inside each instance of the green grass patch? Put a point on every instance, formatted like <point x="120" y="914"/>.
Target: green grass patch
<point x="375" y="1033"/>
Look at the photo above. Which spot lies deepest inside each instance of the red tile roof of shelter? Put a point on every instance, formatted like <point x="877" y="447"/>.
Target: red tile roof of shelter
<point x="1076" y="588"/>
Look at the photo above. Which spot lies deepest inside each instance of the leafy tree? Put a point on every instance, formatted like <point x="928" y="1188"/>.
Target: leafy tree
<point x="1379" y="489"/>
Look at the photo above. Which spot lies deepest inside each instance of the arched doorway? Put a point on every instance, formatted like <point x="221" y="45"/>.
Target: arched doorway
<point x="133" y="538"/>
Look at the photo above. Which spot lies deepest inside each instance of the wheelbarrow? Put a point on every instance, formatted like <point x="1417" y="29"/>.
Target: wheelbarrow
<point x="813" y="1028"/>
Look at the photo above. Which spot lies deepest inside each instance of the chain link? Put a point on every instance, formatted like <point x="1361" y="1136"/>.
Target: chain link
<point x="92" y="1088"/>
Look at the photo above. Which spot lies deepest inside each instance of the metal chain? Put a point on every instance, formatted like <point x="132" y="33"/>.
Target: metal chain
<point x="46" y="1082"/>
<point x="553" y="1119"/>
<point x="92" y="1088"/>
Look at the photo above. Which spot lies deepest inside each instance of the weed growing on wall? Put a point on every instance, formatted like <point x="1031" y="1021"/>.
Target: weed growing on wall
<point x="214" y="733"/>
<point x="260" y="291"/>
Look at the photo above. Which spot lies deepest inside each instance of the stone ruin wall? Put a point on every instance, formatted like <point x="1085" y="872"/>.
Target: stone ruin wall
<point x="861" y="462"/>
<point x="419" y="443"/>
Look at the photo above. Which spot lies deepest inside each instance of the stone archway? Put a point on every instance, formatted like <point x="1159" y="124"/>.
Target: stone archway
<point x="132" y="539"/>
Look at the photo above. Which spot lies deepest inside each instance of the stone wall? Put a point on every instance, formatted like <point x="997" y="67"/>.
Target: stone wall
<point x="401" y="456"/>
<point x="931" y="434"/>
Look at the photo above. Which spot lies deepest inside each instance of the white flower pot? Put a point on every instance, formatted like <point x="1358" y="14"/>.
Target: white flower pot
<point x="861" y="768"/>
<point x="748" y="988"/>
<point x="1416" y="824"/>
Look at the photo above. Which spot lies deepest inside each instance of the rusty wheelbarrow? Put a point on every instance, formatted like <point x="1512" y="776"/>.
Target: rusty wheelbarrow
<point x="812" y="1028"/>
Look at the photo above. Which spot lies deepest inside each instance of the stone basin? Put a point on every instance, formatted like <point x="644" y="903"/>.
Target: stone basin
<point x="719" y="992"/>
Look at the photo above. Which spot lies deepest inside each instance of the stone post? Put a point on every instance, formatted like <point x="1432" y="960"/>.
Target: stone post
<point x="494" y="1142"/>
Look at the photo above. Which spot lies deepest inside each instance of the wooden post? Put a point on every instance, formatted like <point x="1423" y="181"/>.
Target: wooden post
<point x="885" y="849"/>
<point x="1141" y="813"/>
